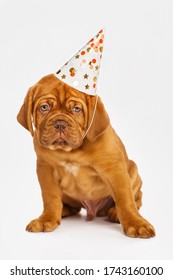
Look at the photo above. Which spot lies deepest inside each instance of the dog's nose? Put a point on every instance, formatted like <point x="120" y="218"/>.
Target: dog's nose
<point x="60" y="125"/>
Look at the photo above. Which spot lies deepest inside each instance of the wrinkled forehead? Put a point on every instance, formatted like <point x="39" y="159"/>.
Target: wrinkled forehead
<point x="52" y="86"/>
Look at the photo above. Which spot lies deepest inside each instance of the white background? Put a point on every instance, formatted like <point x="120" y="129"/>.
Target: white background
<point x="36" y="38"/>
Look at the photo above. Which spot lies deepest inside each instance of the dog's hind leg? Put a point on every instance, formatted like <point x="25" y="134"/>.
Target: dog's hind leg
<point x="70" y="206"/>
<point x="69" y="211"/>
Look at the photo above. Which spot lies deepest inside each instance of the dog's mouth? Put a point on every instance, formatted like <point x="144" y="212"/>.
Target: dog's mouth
<point x="60" y="142"/>
<point x="59" y="139"/>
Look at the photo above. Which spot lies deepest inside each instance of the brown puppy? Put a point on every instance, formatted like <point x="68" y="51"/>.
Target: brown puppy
<point x="75" y="170"/>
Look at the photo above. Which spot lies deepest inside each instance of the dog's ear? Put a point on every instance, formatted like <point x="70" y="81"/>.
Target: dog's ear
<point x="24" y="116"/>
<point x="100" y="121"/>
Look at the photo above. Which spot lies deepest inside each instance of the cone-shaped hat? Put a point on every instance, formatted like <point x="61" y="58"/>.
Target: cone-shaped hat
<point x="82" y="70"/>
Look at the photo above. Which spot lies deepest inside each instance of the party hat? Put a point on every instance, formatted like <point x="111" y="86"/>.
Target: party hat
<point x="82" y="70"/>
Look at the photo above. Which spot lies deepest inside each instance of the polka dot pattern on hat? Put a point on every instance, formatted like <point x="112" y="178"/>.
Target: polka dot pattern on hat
<point x="82" y="70"/>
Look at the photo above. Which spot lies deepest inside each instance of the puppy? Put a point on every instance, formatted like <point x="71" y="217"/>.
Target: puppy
<point x="77" y="165"/>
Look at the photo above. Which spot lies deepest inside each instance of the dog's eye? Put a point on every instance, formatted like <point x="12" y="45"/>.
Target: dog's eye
<point x="76" y="109"/>
<point x="44" y="108"/>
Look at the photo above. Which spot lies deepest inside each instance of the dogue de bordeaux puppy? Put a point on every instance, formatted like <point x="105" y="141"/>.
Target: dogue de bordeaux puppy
<point x="78" y="169"/>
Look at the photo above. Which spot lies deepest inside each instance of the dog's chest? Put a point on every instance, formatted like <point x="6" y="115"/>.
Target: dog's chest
<point x="70" y="168"/>
<point x="81" y="182"/>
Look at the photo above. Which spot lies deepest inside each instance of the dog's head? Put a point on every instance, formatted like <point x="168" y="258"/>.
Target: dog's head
<point x="61" y="115"/>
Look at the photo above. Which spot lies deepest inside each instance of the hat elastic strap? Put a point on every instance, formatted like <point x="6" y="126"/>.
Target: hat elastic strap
<point x="95" y="107"/>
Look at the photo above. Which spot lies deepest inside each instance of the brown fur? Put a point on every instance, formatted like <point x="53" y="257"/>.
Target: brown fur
<point x="73" y="172"/>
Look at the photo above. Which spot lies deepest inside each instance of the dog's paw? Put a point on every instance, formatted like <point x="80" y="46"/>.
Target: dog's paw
<point x="112" y="215"/>
<point x="139" y="228"/>
<point x="40" y="225"/>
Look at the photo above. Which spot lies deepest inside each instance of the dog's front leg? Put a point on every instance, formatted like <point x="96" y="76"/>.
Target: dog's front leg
<point x="51" y="194"/>
<point x="117" y="177"/>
